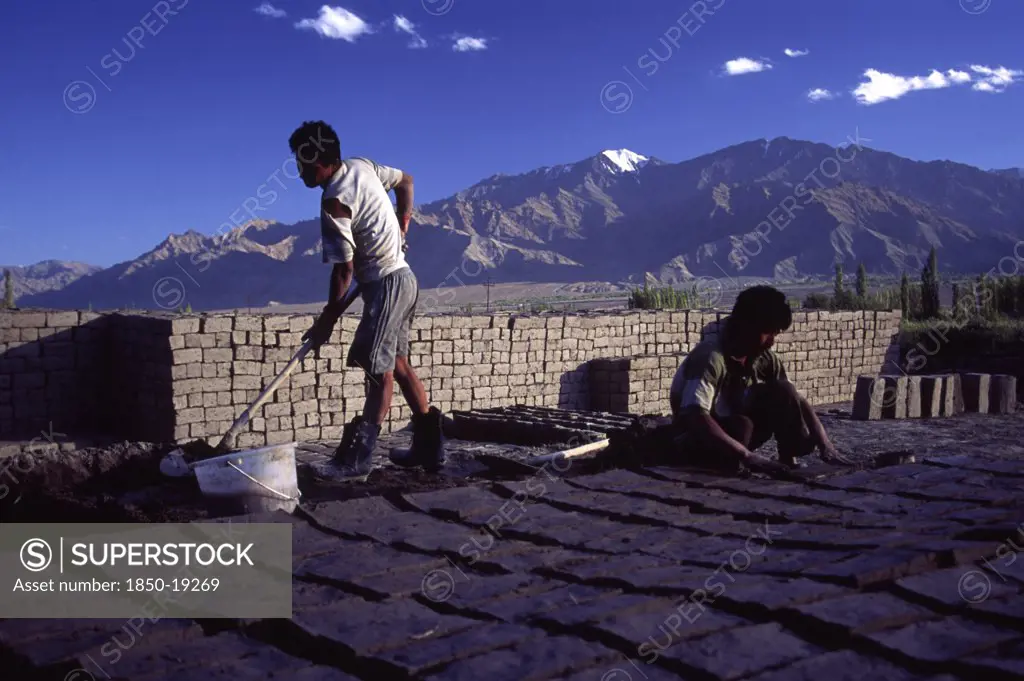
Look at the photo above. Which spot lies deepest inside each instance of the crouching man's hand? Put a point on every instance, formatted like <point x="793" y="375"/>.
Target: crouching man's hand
<point x="829" y="454"/>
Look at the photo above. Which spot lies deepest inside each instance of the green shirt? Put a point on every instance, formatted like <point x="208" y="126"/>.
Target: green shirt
<point x="713" y="382"/>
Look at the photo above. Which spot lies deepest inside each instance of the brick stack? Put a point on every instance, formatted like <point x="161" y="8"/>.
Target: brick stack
<point x="51" y="365"/>
<point x="824" y="353"/>
<point x="182" y="377"/>
<point x="634" y="385"/>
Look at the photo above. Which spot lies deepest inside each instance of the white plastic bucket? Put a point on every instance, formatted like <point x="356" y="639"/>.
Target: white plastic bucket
<point x="258" y="480"/>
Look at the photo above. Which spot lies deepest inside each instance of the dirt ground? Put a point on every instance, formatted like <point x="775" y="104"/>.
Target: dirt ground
<point x="122" y="483"/>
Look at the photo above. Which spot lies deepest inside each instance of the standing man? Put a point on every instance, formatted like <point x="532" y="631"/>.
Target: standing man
<point x="732" y="394"/>
<point x="363" y="237"/>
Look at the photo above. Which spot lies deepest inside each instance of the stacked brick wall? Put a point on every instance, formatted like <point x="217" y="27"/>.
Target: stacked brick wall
<point x="183" y="377"/>
<point x="823" y="353"/>
<point x="51" y="364"/>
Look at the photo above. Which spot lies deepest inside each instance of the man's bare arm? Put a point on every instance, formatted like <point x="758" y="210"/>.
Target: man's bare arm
<point x="403" y="201"/>
<point x="341" y="273"/>
<point x="706" y="428"/>
<point x="811" y="417"/>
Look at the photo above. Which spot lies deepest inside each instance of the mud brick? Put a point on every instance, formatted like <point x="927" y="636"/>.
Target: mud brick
<point x="975" y="392"/>
<point x="842" y="665"/>
<point x="894" y="398"/>
<point x="954" y="388"/>
<point x="365" y="628"/>
<point x="249" y="353"/>
<point x="419" y="655"/>
<point x="29" y="381"/>
<point x="458" y="503"/>
<point x="275" y="323"/>
<point x="557" y="656"/>
<point x="1007" y="612"/>
<point x="864" y="613"/>
<point x="183" y="325"/>
<point x="226" y="655"/>
<point x="62" y="645"/>
<point x="280" y="437"/>
<point x="1002" y="397"/>
<point x="955" y="587"/>
<point x="741" y="651"/>
<point x="943" y="640"/>
<point x="35" y="320"/>
<point x="215" y="324"/>
<point x="245" y="368"/>
<point x="760" y="594"/>
<point x="624" y="671"/>
<point x="869" y="398"/>
<point x="187" y="356"/>
<point x="913" y="409"/>
<point x="601" y="609"/>
<point x="874" y="567"/>
<point x="669" y="629"/>
<point x="931" y="396"/>
<point x="248" y="323"/>
<point x="55" y="319"/>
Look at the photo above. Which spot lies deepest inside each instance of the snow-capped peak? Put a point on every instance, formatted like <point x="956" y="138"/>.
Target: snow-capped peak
<point x="624" y="160"/>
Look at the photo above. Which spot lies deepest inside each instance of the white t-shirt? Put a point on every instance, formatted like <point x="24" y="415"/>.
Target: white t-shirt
<point x="372" y="237"/>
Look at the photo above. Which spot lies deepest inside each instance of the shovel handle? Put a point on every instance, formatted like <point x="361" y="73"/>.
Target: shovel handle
<point x="242" y="420"/>
<point x="227" y="442"/>
<point x="570" y="453"/>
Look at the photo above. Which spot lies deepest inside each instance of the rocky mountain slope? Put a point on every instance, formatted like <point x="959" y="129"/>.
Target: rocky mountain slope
<point x="48" y="275"/>
<point x="778" y="207"/>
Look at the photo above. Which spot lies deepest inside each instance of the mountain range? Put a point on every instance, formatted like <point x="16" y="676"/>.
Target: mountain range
<point x="778" y="208"/>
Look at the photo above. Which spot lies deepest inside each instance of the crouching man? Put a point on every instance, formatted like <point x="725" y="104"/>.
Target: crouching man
<point x="363" y="237"/>
<point x="731" y="394"/>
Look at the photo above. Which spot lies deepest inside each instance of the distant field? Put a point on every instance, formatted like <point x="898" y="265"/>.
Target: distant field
<point x="523" y="296"/>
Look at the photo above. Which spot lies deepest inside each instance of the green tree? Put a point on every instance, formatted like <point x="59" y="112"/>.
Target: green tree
<point x="838" y="293"/>
<point x="905" y="296"/>
<point x="8" y="290"/>
<point x="930" y="287"/>
<point x="862" y="281"/>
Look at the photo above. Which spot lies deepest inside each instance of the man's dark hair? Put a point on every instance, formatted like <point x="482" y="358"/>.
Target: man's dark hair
<point x="316" y="140"/>
<point x="763" y="309"/>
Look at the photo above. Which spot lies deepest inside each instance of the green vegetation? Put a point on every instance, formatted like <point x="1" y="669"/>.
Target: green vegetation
<point x="666" y="298"/>
<point x="930" y="287"/>
<point x="8" y="290"/>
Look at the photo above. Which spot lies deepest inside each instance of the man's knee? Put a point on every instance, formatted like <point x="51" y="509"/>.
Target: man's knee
<point x="776" y="393"/>
<point x="739" y="428"/>
<point x="403" y="368"/>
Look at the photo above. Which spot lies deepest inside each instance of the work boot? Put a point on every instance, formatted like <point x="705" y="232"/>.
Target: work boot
<point x="427" y="443"/>
<point x="353" y="459"/>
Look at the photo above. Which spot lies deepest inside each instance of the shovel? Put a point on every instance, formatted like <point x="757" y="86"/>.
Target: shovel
<point x="175" y="465"/>
<point x="534" y="464"/>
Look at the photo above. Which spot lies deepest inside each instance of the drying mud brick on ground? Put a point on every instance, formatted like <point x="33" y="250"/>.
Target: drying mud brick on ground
<point x="586" y="571"/>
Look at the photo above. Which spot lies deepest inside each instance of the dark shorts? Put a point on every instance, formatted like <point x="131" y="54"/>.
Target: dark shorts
<point x="389" y="305"/>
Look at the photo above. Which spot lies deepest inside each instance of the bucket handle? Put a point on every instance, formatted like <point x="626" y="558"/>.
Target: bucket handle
<point x="266" y="487"/>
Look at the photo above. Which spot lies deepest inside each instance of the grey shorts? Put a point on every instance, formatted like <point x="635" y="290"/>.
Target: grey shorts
<point x="389" y="304"/>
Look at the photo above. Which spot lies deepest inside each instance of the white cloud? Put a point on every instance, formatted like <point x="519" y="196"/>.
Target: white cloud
<point x="881" y="87"/>
<point x="796" y="53"/>
<point x="268" y="10"/>
<point x="818" y="94"/>
<point x="958" y="77"/>
<point x="994" y="80"/>
<point x="467" y="44"/>
<point x="403" y="25"/>
<point x="740" y="65"/>
<point x="336" y="22"/>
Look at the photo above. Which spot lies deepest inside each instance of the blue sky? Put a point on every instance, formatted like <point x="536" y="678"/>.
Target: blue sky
<point x="125" y="121"/>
